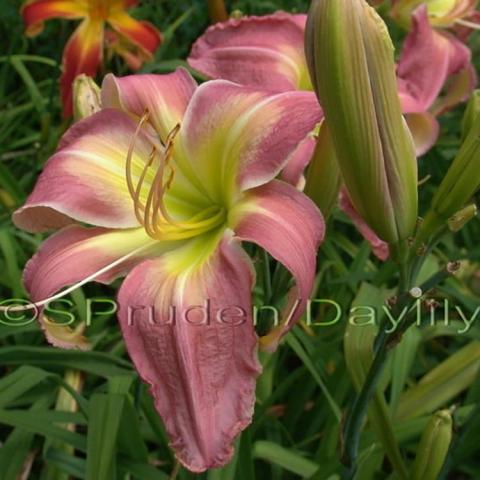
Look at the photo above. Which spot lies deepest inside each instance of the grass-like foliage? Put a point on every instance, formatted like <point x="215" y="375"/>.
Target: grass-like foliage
<point x="86" y="414"/>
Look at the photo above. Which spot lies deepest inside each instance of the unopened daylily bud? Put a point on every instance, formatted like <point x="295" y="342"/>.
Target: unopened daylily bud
<point x="472" y="110"/>
<point x="323" y="176"/>
<point x="351" y="62"/>
<point x="433" y="447"/>
<point x="441" y="13"/>
<point x="459" y="184"/>
<point x="86" y="97"/>
<point x="6" y="199"/>
<point x="457" y="221"/>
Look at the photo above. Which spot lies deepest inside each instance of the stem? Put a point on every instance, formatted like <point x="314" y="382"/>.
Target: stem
<point x="384" y="342"/>
<point x="356" y="416"/>
<point x="217" y="10"/>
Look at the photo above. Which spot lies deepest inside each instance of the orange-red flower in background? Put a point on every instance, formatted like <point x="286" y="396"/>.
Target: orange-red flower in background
<point x="84" y="51"/>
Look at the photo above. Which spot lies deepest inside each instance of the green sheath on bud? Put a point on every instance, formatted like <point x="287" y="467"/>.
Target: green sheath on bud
<point x="323" y="176"/>
<point x="86" y="97"/>
<point x="462" y="179"/>
<point x="351" y="62"/>
<point x="460" y="219"/>
<point x="471" y="112"/>
<point x="433" y="447"/>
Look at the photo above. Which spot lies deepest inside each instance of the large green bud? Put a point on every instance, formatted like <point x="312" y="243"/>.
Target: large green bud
<point x="351" y="62"/>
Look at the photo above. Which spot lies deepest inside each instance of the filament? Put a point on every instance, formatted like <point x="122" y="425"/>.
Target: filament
<point x="466" y="23"/>
<point x="89" y="278"/>
<point x="153" y="214"/>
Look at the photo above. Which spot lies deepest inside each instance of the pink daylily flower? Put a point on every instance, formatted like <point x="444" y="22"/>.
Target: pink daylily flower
<point x="429" y="58"/>
<point x="173" y="177"/>
<point x="268" y="52"/>
<point x="441" y="13"/>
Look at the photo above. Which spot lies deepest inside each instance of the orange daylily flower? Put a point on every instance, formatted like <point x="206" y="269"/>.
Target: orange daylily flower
<point x="84" y="51"/>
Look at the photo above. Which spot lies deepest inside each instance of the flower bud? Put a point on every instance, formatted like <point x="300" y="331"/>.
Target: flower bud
<point x="86" y="97"/>
<point x="473" y="109"/>
<point x="323" y="176"/>
<point x="433" y="447"/>
<point x="461" y="181"/>
<point x="6" y="199"/>
<point x="457" y="221"/>
<point x="350" y="57"/>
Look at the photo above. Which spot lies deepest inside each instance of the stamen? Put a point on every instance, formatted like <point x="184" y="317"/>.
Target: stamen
<point x="138" y="205"/>
<point x="153" y="214"/>
<point x="131" y="147"/>
<point x="93" y="276"/>
<point x="466" y="23"/>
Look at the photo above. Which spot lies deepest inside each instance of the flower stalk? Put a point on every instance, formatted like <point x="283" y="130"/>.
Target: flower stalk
<point x="384" y="343"/>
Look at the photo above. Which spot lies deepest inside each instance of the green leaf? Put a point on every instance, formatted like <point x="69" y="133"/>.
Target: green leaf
<point x="141" y="471"/>
<point x="442" y="384"/>
<point x="20" y="381"/>
<point x="17" y="447"/>
<point x="297" y="347"/>
<point x="359" y="340"/>
<point x="97" y="363"/>
<point x="285" y="458"/>
<point x="103" y="425"/>
<point x="130" y="440"/>
<point x="66" y="463"/>
<point x="403" y="359"/>
<point x="40" y="424"/>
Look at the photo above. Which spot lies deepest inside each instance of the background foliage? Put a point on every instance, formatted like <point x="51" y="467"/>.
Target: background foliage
<point x="86" y="415"/>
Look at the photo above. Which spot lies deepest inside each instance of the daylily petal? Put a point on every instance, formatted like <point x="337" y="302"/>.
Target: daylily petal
<point x="165" y="96"/>
<point x="131" y="54"/>
<point x="235" y="144"/>
<point x="201" y="368"/>
<point x="428" y="58"/>
<point x="441" y="13"/>
<point x="379" y="247"/>
<point x="423" y="65"/>
<point x="82" y="54"/>
<point x="265" y="52"/>
<point x="298" y="161"/>
<point x="288" y="225"/>
<point x="75" y="253"/>
<point x="142" y="34"/>
<point x="85" y="179"/>
<point x="34" y="13"/>
<point x="424" y="129"/>
<point x="65" y="336"/>
<point x="458" y="89"/>
<point x="130" y="3"/>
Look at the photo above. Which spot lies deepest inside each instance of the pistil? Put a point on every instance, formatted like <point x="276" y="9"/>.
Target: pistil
<point x="153" y="214"/>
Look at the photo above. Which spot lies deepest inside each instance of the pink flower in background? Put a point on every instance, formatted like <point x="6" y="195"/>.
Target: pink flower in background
<point x="441" y="13"/>
<point x="430" y="58"/>
<point x="174" y="177"/>
<point x="268" y="52"/>
<point x="378" y="246"/>
<point x="434" y="74"/>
